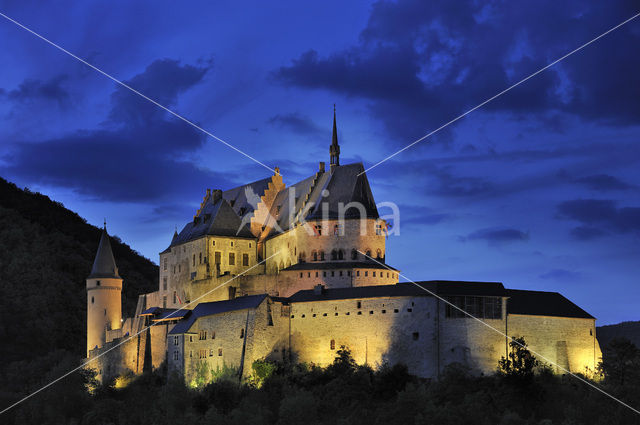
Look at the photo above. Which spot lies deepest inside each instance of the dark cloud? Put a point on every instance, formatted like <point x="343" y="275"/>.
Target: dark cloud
<point x="586" y="233"/>
<point x="136" y="156"/>
<point x="297" y="123"/>
<point x="603" y="183"/>
<point x="497" y="235"/>
<point x="600" y="215"/>
<point x="423" y="63"/>
<point x="560" y="274"/>
<point x="31" y="90"/>
<point x="162" y="81"/>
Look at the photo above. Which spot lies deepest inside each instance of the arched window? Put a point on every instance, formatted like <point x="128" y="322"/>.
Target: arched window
<point x="368" y="253"/>
<point x="303" y="257"/>
<point x="354" y="254"/>
<point x="379" y="254"/>
<point x="314" y="255"/>
<point x="340" y="254"/>
<point x="334" y="254"/>
<point x="321" y="255"/>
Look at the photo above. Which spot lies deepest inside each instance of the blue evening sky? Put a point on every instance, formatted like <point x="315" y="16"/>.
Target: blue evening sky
<point x="538" y="189"/>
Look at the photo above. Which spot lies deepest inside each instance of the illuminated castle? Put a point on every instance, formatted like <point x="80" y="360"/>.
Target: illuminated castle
<point x="291" y="274"/>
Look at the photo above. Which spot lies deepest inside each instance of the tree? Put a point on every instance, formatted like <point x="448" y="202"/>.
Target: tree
<point x="520" y="362"/>
<point x="620" y="362"/>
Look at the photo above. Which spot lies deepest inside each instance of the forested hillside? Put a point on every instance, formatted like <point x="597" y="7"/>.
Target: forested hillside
<point x="46" y="253"/>
<point x="628" y="330"/>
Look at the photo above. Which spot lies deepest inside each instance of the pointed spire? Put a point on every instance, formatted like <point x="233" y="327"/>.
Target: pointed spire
<point x="104" y="265"/>
<point x="334" y="149"/>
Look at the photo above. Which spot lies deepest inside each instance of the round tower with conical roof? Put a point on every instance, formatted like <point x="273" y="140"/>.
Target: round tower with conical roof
<point x="104" y="295"/>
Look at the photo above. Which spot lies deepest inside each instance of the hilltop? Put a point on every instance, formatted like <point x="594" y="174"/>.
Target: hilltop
<point x="46" y="253"/>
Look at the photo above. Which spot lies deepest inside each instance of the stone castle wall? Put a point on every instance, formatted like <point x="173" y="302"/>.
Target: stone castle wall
<point x="568" y="342"/>
<point x="287" y="248"/>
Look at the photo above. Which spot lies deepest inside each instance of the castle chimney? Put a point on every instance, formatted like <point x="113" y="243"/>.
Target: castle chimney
<point x="322" y="166"/>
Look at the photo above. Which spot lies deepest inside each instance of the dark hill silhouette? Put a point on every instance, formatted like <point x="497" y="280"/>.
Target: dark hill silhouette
<point x="46" y="253"/>
<point x="628" y="330"/>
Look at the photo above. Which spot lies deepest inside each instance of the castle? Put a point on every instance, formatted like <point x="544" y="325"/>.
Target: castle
<point x="291" y="274"/>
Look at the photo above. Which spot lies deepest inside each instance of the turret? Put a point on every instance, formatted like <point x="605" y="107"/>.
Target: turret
<point x="104" y="295"/>
<point x="334" y="149"/>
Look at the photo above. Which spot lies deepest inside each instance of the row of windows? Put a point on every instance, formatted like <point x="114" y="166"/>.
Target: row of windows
<point x="201" y="353"/>
<point x="340" y="273"/>
<point x="337" y="254"/>
<point x="479" y="307"/>
<point x="338" y="229"/>
<point x="359" y="313"/>
<point x="202" y="336"/>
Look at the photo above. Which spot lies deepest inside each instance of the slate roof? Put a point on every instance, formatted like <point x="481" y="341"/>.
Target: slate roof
<point x="159" y="313"/>
<point x="335" y="265"/>
<point x="404" y="289"/>
<point x="104" y="264"/>
<point x="217" y="307"/>
<point x="216" y="218"/>
<point x="243" y="199"/>
<point x="343" y="185"/>
<point x="538" y="303"/>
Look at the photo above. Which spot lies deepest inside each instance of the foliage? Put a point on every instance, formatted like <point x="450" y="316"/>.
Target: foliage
<point x="621" y="363"/>
<point x="261" y="370"/>
<point x="520" y="364"/>
<point x="341" y="393"/>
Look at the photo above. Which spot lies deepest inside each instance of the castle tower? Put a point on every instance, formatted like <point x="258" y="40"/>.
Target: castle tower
<point x="104" y="295"/>
<point x="334" y="149"/>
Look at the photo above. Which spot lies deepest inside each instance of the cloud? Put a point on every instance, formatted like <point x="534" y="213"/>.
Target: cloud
<point x="600" y="215"/>
<point x="295" y="122"/>
<point x="603" y="183"/>
<point x="560" y="274"/>
<point x="31" y="90"/>
<point x="586" y="233"/>
<point x="423" y="63"/>
<point x="138" y="154"/>
<point x="496" y="236"/>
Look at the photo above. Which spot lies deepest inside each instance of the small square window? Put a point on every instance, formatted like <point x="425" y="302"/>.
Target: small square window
<point x="219" y="352"/>
<point x="416" y="335"/>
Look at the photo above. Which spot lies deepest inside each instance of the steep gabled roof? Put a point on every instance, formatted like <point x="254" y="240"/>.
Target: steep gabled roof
<point x="216" y="218"/>
<point x="104" y="264"/>
<point x="217" y="307"/>
<point x="345" y="184"/>
<point x="538" y="303"/>
<point x="244" y="199"/>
